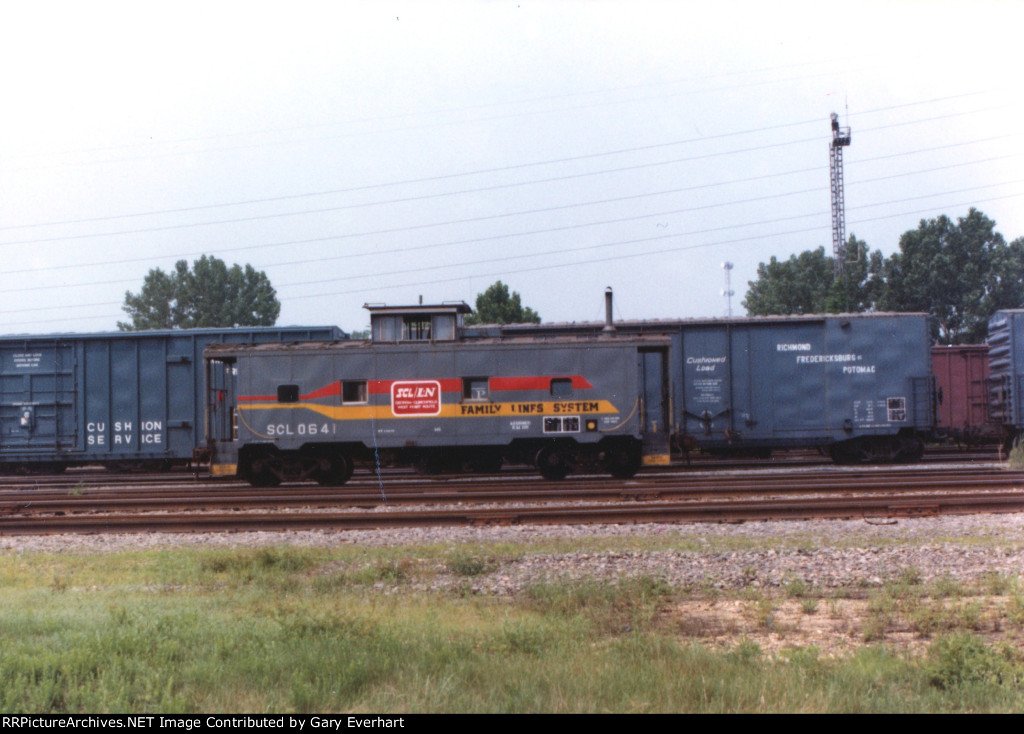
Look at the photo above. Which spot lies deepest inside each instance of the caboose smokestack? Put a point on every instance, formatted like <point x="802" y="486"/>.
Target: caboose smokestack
<point x="609" y="325"/>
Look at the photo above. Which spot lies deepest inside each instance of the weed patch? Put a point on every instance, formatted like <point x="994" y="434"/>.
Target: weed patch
<point x="960" y="660"/>
<point x="1016" y="456"/>
<point x="935" y="617"/>
<point x="250" y="564"/>
<point x="617" y="606"/>
<point x="466" y="564"/>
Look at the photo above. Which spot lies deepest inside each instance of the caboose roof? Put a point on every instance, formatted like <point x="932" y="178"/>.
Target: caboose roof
<point x="419" y="309"/>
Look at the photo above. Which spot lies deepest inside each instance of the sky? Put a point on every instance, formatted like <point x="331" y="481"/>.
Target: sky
<point x="384" y="152"/>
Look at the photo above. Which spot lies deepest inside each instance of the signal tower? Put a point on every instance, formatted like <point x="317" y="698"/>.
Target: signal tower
<point x="840" y="139"/>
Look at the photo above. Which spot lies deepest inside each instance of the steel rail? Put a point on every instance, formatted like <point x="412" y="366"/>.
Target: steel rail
<point x="632" y="512"/>
<point x="106" y="501"/>
<point x="701" y="463"/>
<point x="420" y="483"/>
<point x="212" y="493"/>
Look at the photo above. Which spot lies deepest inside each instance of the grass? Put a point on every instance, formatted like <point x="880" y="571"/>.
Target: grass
<point x="352" y="629"/>
<point x="1016" y="455"/>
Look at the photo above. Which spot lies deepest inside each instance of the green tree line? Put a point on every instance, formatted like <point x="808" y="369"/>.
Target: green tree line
<point x="209" y="294"/>
<point x="960" y="272"/>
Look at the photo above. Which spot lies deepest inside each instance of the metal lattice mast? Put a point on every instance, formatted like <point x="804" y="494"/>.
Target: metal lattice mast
<point x="728" y="292"/>
<point x="840" y="139"/>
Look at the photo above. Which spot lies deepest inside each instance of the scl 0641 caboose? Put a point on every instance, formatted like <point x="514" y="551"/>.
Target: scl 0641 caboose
<point x="418" y="394"/>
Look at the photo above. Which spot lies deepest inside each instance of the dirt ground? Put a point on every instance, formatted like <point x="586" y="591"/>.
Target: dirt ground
<point x="838" y="627"/>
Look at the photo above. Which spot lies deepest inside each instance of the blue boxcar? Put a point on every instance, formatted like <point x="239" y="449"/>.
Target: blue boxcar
<point x="122" y="399"/>
<point x="1006" y="371"/>
<point x="859" y="386"/>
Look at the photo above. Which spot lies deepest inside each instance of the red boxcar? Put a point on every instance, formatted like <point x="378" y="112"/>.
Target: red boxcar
<point x="961" y="373"/>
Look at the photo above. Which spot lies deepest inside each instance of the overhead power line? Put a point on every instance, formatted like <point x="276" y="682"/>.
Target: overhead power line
<point x="548" y="265"/>
<point x="377" y="250"/>
<point x="486" y="171"/>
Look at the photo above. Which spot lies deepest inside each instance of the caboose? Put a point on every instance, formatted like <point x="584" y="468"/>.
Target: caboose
<point x="417" y="393"/>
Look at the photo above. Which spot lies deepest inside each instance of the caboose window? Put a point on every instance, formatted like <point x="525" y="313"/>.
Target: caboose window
<point x="386" y="328"/>
<point x="416" y="328"/>
<point x="287" y="393"/>
<point x="353" y="391"/>
<point x="444" y="327"/>
<point x="475" y="388"/>
<point x="561" y="388"/>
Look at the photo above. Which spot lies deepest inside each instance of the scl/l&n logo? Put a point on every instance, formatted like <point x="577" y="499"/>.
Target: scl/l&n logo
<point x="419" y="397"/>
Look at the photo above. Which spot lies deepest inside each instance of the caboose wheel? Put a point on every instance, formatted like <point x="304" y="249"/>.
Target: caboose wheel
<point x="263" y="478"/>
<point x="622" y="462"/>
<point x="553" y="463"/>
<point x="335" y="471"/>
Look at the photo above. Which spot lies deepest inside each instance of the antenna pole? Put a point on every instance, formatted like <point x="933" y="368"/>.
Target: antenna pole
<point x="840" y="139"/>
<point x="728" y="292"/>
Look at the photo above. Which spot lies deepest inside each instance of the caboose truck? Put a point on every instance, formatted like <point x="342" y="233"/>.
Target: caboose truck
<point x="418" y="394"/>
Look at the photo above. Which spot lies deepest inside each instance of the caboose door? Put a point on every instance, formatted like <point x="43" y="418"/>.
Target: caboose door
<point x="654" y="404"/>
<point x="221" y="414"/>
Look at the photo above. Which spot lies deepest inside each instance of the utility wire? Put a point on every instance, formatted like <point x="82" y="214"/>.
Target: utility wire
<point x="488" y="171"/>
<point x="549" y="265"/>
<point x="519" y="233"/>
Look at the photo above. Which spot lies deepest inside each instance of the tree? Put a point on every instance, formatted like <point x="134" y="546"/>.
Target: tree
<point x="960" y="273"/>
<point x="208" y="295"/>
<point x="806" y="283"/>
<point x="496" y="306"/>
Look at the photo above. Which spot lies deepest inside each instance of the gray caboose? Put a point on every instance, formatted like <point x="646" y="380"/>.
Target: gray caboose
<point x="418" y="394"/>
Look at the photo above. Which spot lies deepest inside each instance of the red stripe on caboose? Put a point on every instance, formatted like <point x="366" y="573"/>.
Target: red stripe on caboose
<point x="383" y="387"/>
<point x="333" y="389"/>
<point x="499" y="384"/>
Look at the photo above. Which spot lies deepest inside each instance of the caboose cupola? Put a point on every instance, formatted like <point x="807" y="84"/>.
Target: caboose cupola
<point x="422" y="323"/>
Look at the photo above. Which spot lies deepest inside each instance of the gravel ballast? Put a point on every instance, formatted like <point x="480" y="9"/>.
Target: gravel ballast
<point x="825" y="554"/>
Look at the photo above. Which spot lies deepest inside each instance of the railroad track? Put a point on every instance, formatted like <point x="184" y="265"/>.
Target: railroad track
<point x="192" y="506"/>
<point x="368" y="492"/>
<point x="89" y="476"/>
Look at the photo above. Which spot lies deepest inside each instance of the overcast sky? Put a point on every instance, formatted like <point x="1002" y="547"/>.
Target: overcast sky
<point x="379" y="152"/>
